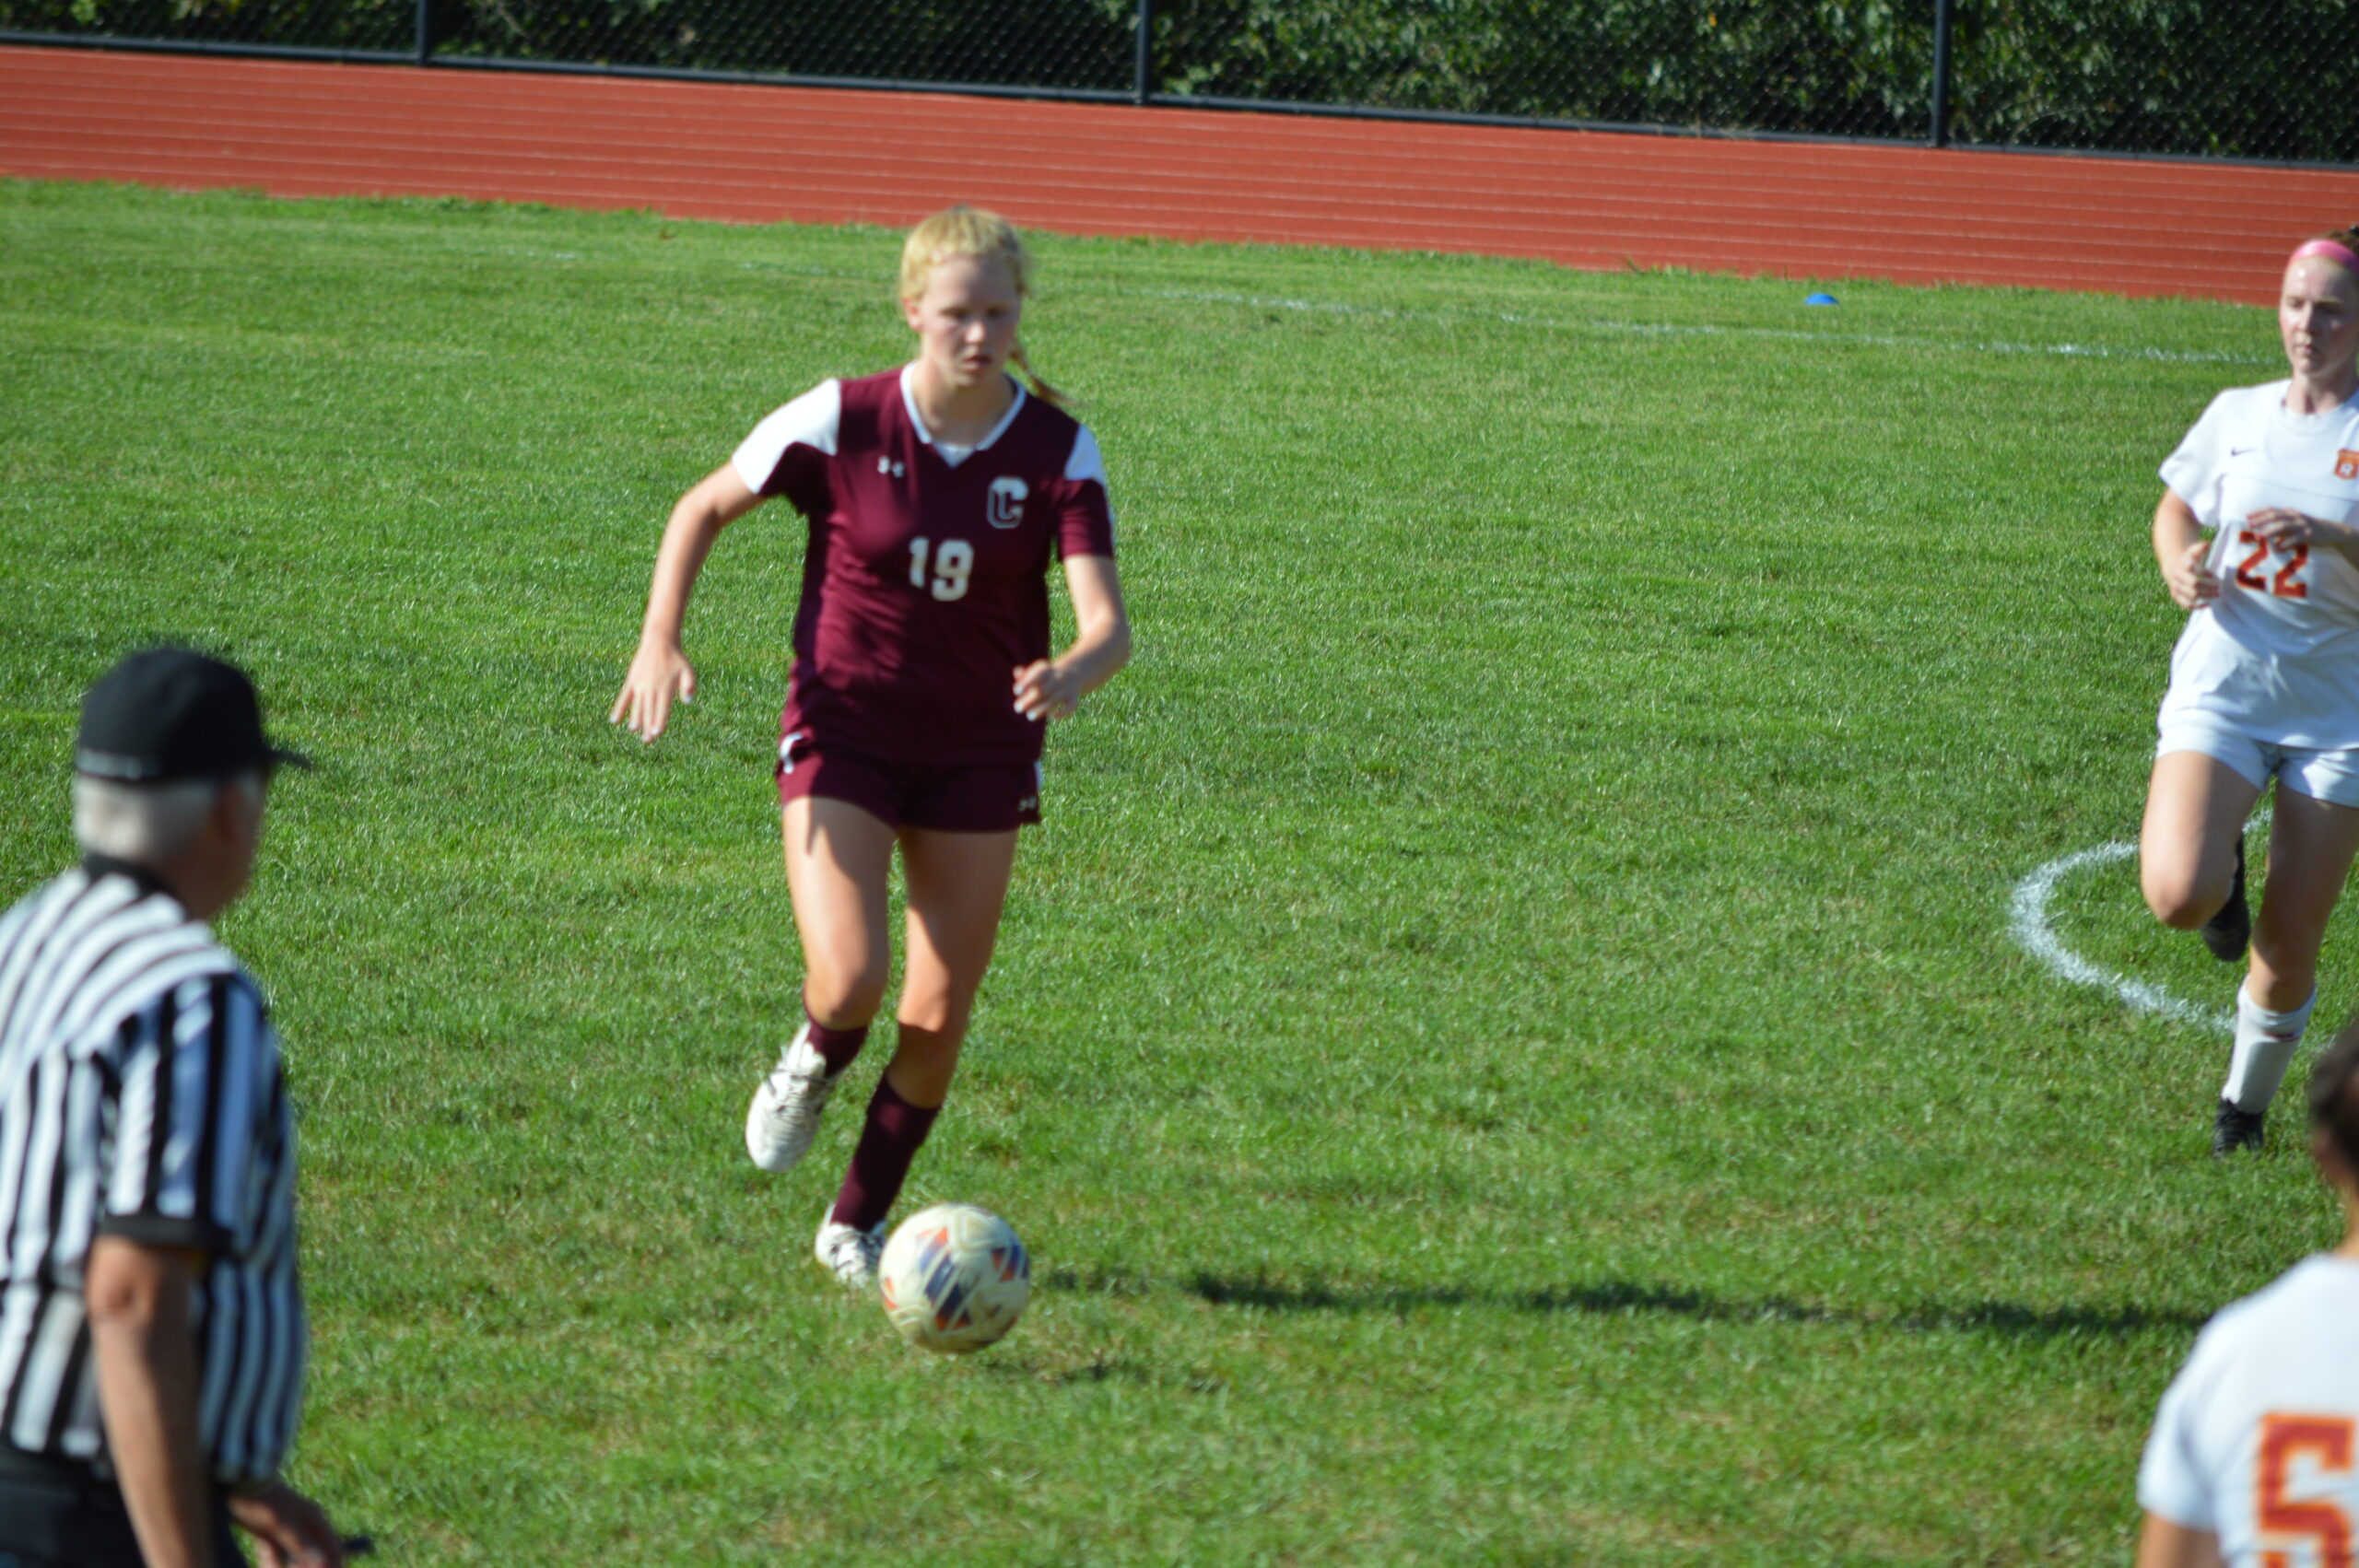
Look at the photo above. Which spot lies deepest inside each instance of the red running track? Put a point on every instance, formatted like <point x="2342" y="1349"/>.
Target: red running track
<point x="760" y="154"/>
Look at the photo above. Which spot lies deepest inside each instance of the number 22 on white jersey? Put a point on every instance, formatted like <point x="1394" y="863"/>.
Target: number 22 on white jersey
<point x="2253" y="570"/>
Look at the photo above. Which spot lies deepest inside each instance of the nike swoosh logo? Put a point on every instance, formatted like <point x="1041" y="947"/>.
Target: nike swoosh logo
<point x="2239" y="451"/>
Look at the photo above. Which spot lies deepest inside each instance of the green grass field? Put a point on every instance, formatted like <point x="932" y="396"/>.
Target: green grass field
<point x="1507" y="1051"/>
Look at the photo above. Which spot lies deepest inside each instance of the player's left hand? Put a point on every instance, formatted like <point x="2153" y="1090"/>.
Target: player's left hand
<point x="1043" y="691"/>
<point x="2282" y="526"/>
<point x="289" y="1529"/>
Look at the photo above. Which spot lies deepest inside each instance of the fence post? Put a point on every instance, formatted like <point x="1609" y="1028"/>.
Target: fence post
<point x="1143" y="81"/>
<point x="1940" y="72"/>
<point x="425" y="31"/>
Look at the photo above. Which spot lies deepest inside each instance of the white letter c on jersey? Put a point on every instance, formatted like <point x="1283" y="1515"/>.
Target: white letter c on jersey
<point x="1006" y="508"/>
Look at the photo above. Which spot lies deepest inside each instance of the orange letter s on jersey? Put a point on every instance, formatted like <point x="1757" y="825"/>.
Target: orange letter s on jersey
<point x="2327" y="1441"/>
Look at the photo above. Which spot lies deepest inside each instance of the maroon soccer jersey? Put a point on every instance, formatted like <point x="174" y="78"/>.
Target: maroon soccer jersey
<point x="925" y="582"/>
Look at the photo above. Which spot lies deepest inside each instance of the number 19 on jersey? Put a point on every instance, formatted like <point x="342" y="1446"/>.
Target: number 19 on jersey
<point x="950" y="566"/>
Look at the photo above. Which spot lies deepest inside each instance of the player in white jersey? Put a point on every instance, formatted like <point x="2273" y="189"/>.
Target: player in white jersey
<point x="2253" y="1458"/>
<point x="2265" y="679"/>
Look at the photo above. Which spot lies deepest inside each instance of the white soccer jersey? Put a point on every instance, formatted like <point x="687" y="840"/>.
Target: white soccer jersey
<point x="2255" y="1439"/>
<point x="2277" y="654"/>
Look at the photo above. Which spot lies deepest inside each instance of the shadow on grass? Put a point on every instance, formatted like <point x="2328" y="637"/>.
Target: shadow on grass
<point x="1612" y="1298"/>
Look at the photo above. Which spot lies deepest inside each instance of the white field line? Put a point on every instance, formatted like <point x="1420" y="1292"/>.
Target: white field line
<point x="1600" y="325"/>
<point x="1666" y="329"/>
<point x="2032" y="931"/>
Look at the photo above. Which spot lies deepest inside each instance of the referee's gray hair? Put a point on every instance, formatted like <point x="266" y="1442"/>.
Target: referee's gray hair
<point x="145" y="822"/>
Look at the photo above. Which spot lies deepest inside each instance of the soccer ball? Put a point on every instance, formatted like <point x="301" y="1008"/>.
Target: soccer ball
<point x="953" y="1278"/>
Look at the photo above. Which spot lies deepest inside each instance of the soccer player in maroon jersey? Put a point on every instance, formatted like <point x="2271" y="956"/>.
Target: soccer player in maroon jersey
<point x="937" y="496"/>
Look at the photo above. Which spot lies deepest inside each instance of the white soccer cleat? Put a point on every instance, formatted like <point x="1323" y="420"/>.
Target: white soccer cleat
<point x="849" y="1253"/>
<point x="784" y="1117"/>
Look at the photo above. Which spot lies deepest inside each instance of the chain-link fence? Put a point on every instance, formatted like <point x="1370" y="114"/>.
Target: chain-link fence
<point x="2229" y="78"/>
<point x="1784" y="65"/>
<point x="2263" y="78"/>
<point x="1059" y="45"/>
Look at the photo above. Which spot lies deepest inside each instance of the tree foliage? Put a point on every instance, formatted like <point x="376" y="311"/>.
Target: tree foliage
<point x="2225" y="77"/>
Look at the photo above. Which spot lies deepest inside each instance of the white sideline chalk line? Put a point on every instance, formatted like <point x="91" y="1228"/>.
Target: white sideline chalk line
<point x="2032" y="932"/>
<point x="1666" y="329"/>
<point x="1653" y="329"/>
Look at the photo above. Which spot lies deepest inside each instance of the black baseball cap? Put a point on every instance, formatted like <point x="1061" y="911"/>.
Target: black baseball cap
<point x="166" y="714"/>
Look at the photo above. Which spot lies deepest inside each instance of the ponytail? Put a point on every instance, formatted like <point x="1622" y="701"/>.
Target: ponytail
<point x="1040" y="389"/>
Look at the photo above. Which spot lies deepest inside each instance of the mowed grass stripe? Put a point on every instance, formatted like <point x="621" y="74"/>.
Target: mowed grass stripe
<point x="1507" y="1048"/>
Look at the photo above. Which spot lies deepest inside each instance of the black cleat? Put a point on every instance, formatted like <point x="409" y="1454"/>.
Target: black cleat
<point x="2228" y="932"/>
<point x="2232" y="1129"/>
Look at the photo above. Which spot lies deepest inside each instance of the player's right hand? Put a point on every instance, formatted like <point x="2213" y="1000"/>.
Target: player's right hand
<point x="659" y="676"/>
<point x="2191" y="583"/>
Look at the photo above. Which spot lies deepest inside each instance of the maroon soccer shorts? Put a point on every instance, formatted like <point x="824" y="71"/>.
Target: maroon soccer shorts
<point x="992" y="797"/>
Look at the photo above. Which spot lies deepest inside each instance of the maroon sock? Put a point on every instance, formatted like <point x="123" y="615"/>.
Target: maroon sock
<point x="895" y="1129"/>
<point x="835" y="1046"/>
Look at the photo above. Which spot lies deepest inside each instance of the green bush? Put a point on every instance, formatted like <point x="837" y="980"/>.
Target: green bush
<point x="2201" y="76"/>
<point x="2162" y="75"/>
<point x="1835" y="67"/>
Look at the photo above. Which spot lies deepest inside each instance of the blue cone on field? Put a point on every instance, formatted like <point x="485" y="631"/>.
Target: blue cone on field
<point x="1821" y="300"/>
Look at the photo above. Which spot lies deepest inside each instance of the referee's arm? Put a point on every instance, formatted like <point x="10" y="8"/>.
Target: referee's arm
<point x="198" y="1066"/>
<point x="146" y="1352"/>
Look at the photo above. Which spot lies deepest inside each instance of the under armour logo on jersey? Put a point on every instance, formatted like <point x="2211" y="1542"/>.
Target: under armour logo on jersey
<point x="2346" y="464"/>
<point x="1007" y="501"/>
<point x="887" y="465"/>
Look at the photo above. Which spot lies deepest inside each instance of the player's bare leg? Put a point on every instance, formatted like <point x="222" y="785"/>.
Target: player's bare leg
<point x="2196" y="807"/>
<point x="838" y="861"/>
<point x="957" y="889"/>
<point x="2311" y="845"/>
<point x="957" y="885"/>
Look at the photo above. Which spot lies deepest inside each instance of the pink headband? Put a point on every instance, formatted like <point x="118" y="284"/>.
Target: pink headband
<point x="2340" y="255"/>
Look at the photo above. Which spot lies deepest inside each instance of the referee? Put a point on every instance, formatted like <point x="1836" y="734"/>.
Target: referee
<point x="151" y="1323"/>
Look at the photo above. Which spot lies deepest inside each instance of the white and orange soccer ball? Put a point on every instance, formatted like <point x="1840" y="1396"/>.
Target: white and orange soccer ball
<point x="953" y="1278"/>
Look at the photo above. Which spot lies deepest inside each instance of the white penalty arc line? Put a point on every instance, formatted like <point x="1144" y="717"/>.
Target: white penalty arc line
<point x="2033" y="932"/>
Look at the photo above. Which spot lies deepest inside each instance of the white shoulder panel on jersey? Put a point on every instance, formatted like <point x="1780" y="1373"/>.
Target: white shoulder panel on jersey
<point x="811" y="420"/>
<point x="2232" y="423"/>
<point x="1085" y="463"/>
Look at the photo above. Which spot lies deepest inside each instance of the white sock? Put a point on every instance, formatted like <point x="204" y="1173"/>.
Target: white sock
<point x="2265" y="1042"/>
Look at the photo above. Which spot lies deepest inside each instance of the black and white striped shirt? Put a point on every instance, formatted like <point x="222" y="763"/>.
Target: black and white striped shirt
<point x="141" y="1096"/>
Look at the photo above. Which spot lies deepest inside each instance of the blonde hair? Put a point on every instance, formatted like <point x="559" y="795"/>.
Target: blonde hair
<point x="963" y="230"/>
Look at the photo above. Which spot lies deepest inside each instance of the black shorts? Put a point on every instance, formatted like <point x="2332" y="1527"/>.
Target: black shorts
<point x="56" y="1514"/>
